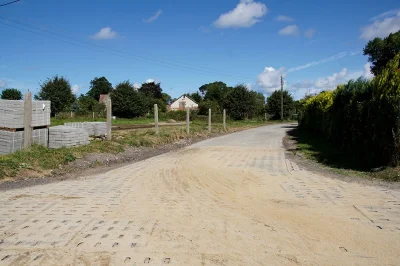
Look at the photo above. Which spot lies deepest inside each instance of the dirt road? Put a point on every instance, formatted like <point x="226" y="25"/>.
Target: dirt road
<point x="232" y="200"/>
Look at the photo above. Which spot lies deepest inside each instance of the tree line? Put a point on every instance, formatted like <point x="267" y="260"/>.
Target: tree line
<point x="362" y="117"/>
<point x="129" y="101"/>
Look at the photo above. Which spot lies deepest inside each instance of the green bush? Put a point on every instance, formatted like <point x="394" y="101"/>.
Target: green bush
<point x="360" y="117"/>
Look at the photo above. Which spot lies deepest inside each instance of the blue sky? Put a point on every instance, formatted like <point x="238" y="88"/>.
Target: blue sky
<point x="185" y="44"/>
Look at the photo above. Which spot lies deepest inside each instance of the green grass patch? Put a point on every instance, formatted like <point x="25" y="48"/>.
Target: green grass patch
<point x="40" y="159"/>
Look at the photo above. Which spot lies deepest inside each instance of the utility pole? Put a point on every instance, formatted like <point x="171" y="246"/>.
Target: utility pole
<point x="282" y="98"/>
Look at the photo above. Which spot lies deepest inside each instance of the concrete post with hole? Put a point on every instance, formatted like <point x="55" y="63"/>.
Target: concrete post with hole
<point x="224" y="119"/>
<point x="27" y="120"/>
<point x="109" y="113"/>
<point x="156" y="118"/>
<point x="209" y="120"/>
<point x="187" y="120"/>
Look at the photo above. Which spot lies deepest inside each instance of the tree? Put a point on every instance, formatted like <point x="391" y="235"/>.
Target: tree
<point x="195" y="97"/>
<point x="99" y="86"/>
<point x="274" y="104"/>
<point x="215" y="92"/>
<point x="259" y="107"/>
<point x="152" y="90"/>
<point x="11" y="94"/>
<point x="240" y="102"/>
<point x="58" y="91"/>
<point x="86" y="104"/>
<point x="380" y="52"/>
<point x="166" y="98"/>
<point x="208" y="104"/>
<point x="127" y="102"/>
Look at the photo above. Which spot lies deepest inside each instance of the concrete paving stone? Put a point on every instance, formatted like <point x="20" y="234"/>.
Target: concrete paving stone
<point x="12" y="113"/>
<point x="248" y="205"/>
<point x="93" y="128"/>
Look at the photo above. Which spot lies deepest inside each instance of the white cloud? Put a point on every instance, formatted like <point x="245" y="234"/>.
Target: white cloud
<point x="3" y="83"/>
<point x="245" y="14"/>
<point x="150" y="81"/>
<point x="154" y="17"/>
<point x="105" y="34"/>
<point x="367" y="71"/>
<point x="383" y="25"/>
<point x="389" y="13"/>
<point x="329" y="82"/>
<point x="270" y="79"/>
<point x="75" y="89"/>
<point x="310" y="33"/>
<point x="324" y="60"/>
<point x="136" y="86"/>
<point x="290" y="30"/>
<point x="249" y="86"/>
<point x="355" y="53"/>
<point x="282" y="18"/>
<point x="332" y="81"/>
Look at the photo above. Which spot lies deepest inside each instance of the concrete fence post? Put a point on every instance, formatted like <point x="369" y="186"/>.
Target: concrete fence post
<point x="109" y="114"/>
<point x="93" y="115"/>
<point x="224" y="119"/>
<point x="156" y="118"/>
<point x="209" y="120"/>
<point x="27" y="120"/>
<point x="187" y="120"/>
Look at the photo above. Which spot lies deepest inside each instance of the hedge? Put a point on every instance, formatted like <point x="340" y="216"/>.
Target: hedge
<point x="361" y="117"/>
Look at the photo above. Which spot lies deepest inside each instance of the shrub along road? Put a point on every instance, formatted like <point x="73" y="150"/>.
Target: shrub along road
<point x="231" y="200"/>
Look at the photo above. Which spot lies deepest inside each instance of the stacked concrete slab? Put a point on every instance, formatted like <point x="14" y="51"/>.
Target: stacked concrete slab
<point x="92" y="128"/>
<point x="63" y="136"/>
<point x="11" y="142"/>
<point x="12" y="114"/>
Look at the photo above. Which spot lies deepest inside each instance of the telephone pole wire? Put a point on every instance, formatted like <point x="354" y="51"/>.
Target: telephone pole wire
<point x="282" y="98"/>
<point x="9" y="3"/>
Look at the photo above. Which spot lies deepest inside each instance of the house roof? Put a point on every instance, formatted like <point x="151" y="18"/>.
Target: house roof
<point x="186" y="97"/>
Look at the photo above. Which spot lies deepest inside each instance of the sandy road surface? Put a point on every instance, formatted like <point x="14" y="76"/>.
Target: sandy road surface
<point x="233" y="200"/>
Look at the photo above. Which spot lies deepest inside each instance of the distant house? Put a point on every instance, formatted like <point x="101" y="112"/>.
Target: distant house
<point x="103" y="98"/>
<point x="182" y="103"/>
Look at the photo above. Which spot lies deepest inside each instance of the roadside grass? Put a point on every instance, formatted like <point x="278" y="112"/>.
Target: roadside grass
<point x="316" y="148"/>
<point x="118" y="121"/>
<point x="41" y="160"/>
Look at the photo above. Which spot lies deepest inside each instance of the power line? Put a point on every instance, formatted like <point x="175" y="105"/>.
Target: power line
<point x="107" y="50"/>
<point x="9" y="3"/>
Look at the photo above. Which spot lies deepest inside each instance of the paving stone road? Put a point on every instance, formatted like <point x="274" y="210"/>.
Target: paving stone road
<point x="232" y="200"/>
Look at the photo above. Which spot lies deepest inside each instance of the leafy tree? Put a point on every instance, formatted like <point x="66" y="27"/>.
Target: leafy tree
<point x="208" y="104"/>
<point x="11" y="94"/>
<point x="86" y="104"/>
<point x="152" y="90"/>
<point x="259" y="105"/>
<point x="58" y="91"/>
<point x="215" y="91"/>
<point x="195" y="97"/>
<point x="127" y="102"/>
<point x="166" y="98"/>
<point x="240" y="102"/>
<point x="99" y="86"/>
<point x="381" y="51"/>
<point x="274" y="104"/>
